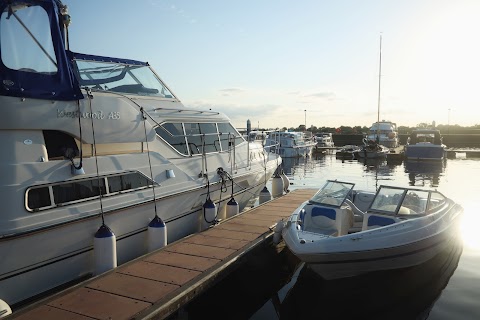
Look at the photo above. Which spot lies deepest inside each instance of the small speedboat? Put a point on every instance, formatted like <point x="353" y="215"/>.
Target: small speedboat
<point x="341" y="232"/>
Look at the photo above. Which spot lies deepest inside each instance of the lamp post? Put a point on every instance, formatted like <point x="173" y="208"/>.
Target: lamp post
<point x="448" y="120"/>
<point x="305" y="119"/>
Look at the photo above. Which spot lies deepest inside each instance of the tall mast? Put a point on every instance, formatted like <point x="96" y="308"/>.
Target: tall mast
<point x="379" y="78"/>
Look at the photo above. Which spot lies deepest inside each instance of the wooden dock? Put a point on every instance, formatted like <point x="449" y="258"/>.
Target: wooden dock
<point x="158" y="284"/>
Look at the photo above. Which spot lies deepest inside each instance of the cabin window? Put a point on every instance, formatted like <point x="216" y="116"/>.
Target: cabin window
<point x="127" y="182"/>
<point x="120" y="77"/>
<point x="38" y="198"/>
<point x="200" y="135"/>
<point x="26" y="40"/>
<point x="215" y="137"/>
<point x="228" y="134"/>
<point x="173" y="134"/>
<point x="78" y="190"/>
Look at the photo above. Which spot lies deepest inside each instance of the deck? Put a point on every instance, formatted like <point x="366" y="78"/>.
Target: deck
<point x="158" y="284"/>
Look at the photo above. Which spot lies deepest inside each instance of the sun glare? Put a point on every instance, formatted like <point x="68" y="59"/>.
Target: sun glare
<point x="469" y="229"/>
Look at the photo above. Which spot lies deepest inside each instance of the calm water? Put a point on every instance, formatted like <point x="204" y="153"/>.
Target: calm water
<point x="277" y="286"/>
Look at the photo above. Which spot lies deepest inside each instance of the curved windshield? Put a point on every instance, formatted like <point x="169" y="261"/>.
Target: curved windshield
<point x="333" y="193"/>
<point x="120" y="77"/>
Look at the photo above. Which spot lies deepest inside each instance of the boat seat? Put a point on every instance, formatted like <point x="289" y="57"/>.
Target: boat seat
<point x="374" y="220"/>
<point x="329" y="221"/>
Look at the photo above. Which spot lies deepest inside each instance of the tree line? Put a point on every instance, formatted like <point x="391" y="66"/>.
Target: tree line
<point x="444" y="129"/>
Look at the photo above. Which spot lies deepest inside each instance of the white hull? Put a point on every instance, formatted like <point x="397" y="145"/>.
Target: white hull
<point x="70" y="245"/>
<point x="325" y="232"/>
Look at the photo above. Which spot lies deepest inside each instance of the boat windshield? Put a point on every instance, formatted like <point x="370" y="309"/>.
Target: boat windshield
<point x="400" y="201"/>
<point x="121" y="77"/>
<point x="333" y="193"/>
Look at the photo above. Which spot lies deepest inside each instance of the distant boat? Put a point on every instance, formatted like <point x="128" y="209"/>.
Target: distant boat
<point x="347" y="151"/>
<point x="384" y="133"/>
<point x="425" y="144"/>
<point x="290" y="144"/>
<point x="371" y="150"/>
<point x="324" y="140"/>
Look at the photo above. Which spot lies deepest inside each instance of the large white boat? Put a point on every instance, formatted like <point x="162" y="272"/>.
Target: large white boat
<point x="342" y="232"/>
<point x="425" y="144"/>
<point x="290" y="144"/>
<point x="384" y="133"/>
<point x="95" y="143"/>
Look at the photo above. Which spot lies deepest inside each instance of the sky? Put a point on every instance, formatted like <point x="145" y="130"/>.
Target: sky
<point x="287" y="63"/>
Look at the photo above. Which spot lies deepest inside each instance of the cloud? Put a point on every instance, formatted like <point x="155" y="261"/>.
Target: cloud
<point x="322" y="95"/>
<point x="230" y="91"/>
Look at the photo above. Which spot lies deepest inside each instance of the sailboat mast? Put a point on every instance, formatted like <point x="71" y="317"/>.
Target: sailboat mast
<point x="378" y="102"/>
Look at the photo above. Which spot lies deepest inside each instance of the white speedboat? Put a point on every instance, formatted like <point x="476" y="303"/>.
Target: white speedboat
<point x="290" y="144"/>
<point x="384" y="133"/>
<point x="425" y="144"/>
<point x="99" y="143"/>
<point x="341" y="232"/>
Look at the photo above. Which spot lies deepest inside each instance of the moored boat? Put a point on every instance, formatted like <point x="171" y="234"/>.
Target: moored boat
<point x="290" y="144"/>
<point x="342" y="232"/>
<point x="96" y="144"/>
<point x="372" y="150"/>
<point x="384" y="133"/>
<point x="425" y="144"/>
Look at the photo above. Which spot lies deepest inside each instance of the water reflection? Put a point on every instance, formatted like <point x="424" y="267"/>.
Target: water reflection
<point x="425" y="173"/>
<point x="408" y="293"/>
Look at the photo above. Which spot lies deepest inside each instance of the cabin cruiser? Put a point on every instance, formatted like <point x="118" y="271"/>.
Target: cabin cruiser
<point x="425" y="144"/>
<point x="342" y="232"/>
<point x="290" y="144"/>
<point x="384" y="133"/>
<point x="94" y="143"/>
<point x="324" y="140"/>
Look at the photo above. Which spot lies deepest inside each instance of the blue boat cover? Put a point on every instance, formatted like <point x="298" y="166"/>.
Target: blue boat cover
<point x="61" y="85"/>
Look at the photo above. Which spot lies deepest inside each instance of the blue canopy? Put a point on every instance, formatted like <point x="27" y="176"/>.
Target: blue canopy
<point x="58" y="85"/>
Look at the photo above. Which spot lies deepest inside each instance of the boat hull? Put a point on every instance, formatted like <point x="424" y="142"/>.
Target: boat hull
<point x="30" y="270"/>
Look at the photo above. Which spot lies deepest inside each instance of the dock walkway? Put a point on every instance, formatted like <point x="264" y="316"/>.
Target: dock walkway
<point x="159" y="283"/>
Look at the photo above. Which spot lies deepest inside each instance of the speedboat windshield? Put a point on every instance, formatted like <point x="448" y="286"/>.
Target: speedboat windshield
<point x="333" y="193"/>
<point x="123" y="77"/>
<point x="401" y="201"/>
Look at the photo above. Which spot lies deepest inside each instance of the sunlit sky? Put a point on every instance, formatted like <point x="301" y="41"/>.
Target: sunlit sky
<point x="269" y="61"/>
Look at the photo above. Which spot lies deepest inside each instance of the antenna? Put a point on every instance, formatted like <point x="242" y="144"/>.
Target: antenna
<point x="379" y="82"/>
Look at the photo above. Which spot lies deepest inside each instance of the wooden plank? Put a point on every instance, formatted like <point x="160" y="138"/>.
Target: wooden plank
<point x="159" y="272"/>
<point x="230" y="225"/>
<point x="132" y="287"/>
<point x="215" y="242"/>
<point x="51" y="313"/>
<point x="99" y="305"/>
<point x="230" y="234"/>
<point x="199" y="250"/>
<point x="180" y="260"/>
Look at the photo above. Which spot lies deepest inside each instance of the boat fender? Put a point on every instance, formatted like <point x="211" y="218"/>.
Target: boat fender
<point x="232" y="208"/>
<point x="209" y="213"/>
<point x="286" y="182"/>
<point x="105" y="250"/>
<point x="264" y="195"/>
<point x="156" y="234"/>
<point x="277" y="186"/>
<point x="5" y="309"/>
<point x="277" y="232"/>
